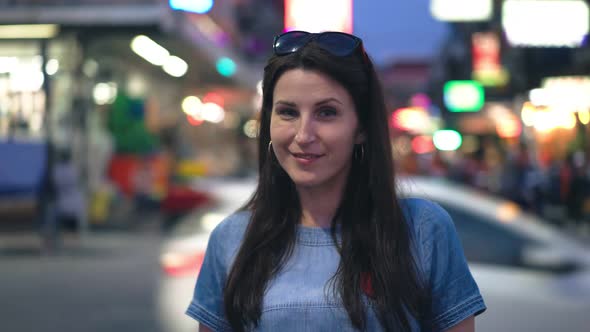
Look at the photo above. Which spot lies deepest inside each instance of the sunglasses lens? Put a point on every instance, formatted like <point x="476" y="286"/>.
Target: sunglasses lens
<point x="290" y="42"/>
<point x="337" y="43"/>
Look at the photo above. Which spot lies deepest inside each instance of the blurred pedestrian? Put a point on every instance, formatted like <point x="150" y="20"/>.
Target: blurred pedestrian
<point x="326" y="243"/>
<point x="573" y="185"/>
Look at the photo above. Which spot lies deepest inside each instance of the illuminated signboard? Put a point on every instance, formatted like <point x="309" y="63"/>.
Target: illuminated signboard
<point x="461" y="10"/>
<point x="569" y="93"/>
<point x="194" y="6"/>
<point x="487" y="67"/>
<point x="447" y="140"/>
<point x="317" y="16"/>
<point x="548" y="23"/>
<point x="463" y="96"/>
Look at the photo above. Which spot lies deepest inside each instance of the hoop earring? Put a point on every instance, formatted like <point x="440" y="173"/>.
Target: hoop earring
<point x="269" y="147"/>
<point x="362" y="157"/>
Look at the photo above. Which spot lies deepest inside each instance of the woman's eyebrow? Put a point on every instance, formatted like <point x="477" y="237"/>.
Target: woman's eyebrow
<point x="327" y="100"/>
<point x="321" y="102"/>
<point x="286" y="103"/>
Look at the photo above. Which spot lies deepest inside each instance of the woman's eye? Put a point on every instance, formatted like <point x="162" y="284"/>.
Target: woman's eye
<point x="287" y="112"/>
<point x="327" y="112"/>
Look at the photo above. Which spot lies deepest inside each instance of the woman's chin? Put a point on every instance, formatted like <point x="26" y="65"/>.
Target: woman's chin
<point x="305" y="181"/>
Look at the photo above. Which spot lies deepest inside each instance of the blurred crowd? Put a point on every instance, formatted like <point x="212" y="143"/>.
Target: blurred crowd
<point x="557" y="189"/>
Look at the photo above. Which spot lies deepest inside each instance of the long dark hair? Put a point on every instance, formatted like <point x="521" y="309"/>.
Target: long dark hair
<point x="375" y="238"/>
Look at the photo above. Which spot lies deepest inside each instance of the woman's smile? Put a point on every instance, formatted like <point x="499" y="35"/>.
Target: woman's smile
<point x="306" y="158"/>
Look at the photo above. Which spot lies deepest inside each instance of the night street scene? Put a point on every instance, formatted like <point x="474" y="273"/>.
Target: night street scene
<point x="129" y="131"/>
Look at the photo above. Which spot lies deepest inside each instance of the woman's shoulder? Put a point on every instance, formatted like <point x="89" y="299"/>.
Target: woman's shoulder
<point x="426" y="217"/>
<point x="232" y="227"/>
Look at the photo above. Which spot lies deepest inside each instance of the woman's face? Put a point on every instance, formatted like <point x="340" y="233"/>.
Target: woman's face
<point x="313" y="129"/>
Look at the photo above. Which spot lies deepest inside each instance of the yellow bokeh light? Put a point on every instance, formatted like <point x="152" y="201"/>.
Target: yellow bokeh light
<point x="528" y="114"/>
<point x="507" y="212"/>
<point x="584" y="117"/>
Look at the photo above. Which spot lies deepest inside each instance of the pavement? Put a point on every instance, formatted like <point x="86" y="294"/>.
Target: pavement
<point x="103" y="281"/>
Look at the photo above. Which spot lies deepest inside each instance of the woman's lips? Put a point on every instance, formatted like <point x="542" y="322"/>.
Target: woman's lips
<point x="306" y="158"/>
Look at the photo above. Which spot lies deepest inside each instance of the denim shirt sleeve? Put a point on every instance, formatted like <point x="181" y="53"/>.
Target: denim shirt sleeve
<point x="207" y="304"/>
<point x="455" y="294"/>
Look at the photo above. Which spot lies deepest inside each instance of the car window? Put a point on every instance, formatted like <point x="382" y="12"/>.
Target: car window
<point x="486" y="241"/>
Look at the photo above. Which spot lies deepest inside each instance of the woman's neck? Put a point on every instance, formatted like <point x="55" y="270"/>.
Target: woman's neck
<point x="318" y="206"/>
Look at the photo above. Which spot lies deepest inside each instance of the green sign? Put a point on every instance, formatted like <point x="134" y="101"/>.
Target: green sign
<point x="463" y="96"/>
<point x="447" y="140"/>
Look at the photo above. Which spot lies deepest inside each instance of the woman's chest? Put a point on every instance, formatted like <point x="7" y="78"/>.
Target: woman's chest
<point x="302" y="297"/>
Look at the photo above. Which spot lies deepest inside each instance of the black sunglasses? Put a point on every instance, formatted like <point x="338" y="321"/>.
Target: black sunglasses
<point x="337" y="43"/>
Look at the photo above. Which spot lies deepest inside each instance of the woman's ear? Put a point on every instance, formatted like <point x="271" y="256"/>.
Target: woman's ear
<point x="360" y="137"/>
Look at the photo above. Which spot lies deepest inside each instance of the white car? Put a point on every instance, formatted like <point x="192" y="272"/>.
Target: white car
<point x="532" y="276"/>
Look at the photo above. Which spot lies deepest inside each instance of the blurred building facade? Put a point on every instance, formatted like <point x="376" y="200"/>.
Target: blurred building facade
<point x="107" y="82"/>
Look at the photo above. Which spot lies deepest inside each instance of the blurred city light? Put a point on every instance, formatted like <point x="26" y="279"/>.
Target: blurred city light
<point x="157" y="55"/>
<point x="508" y="127"/>
<point x="136" y="86"/>
<point x="28" y="31"/>
<point x="175" y="66"/>
<point x="52" y="67"/>
<point x="8" y="64"/>
<point x="422" y="144"/>
<point x="487" y="65"/>
<point x="104" y="93"/>
<point x="149" y="50"/>
<point x="528" y="114"/>
<point x="251" y="128"/>
<point x="413" y="119"/>
<point x="540" y="97"/>
<point x="194" y="120"/>
<point x="182" y="264"/>
<point x="447" y="140"/>
<point x="567" y="92"/>
<point x="508" y="212"/>
<point x="226" y="67"/>
<point x="317" y="16"/>
<point x="193" y="6"/>
<point x="191" y="105"/>
<point x="25" y="79"/>
<point x="90" y="67"/>
<point x="211" y="220"/>
<point x="463" y="96"/>
<point x="549" y="119"/>
<point x="420" y="100"/>
<point x="213" y="97"/>
<point x="212" y="112"/>
<point x="584" y="117"/>
<point x="461" y="10"/>
<point x="547" y="23"/>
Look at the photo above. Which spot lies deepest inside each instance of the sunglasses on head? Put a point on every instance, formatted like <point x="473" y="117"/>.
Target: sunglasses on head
<point x="336" y="43"/>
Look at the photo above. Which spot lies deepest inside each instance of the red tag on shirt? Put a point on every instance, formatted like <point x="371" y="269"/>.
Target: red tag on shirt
<point x="367" y="284"/>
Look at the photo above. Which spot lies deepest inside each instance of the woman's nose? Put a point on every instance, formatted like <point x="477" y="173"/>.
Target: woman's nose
<point x="305" y="132"/>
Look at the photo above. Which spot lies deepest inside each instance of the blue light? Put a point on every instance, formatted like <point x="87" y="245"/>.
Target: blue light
<point x="226" y="67"/>
<point x="194" y="6"/>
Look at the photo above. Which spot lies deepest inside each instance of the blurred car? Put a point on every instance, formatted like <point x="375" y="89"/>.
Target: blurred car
<point x="183" y="252"/>
<point x="532" y="277"/>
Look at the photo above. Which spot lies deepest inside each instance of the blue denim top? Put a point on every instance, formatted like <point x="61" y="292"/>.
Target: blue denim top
<point x="297" y="299"/>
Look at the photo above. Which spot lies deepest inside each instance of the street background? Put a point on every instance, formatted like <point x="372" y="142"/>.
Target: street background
<point x="113" y="113"/>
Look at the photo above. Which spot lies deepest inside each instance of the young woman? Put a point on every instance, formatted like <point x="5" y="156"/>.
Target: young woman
<point x="325" y="243"/>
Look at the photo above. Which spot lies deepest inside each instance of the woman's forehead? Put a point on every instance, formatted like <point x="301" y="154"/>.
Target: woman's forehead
<point x="309" y="86"/>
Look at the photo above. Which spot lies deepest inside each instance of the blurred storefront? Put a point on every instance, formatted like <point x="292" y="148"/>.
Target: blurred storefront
<point x="111" y="83"/>
<point x="556" y="116"/>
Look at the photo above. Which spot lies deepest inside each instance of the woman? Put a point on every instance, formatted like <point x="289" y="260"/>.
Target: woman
<point x="325" y="244"/>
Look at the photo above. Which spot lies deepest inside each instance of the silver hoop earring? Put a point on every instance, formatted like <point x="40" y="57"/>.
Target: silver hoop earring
<point x="362" y="148"/>
<point x="269" y="147"/>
